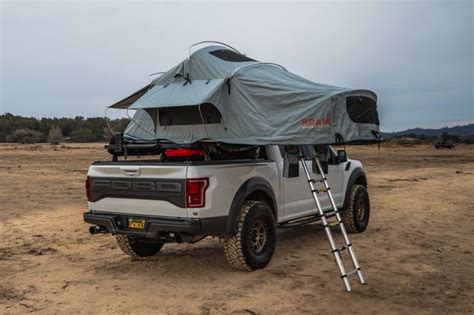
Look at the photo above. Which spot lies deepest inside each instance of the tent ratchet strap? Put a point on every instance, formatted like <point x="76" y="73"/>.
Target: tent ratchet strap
<point x="211" y="41"/>
<point x="258" y="64"/>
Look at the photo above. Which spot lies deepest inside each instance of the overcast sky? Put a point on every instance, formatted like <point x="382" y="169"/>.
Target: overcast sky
<point x="74" y="58"/>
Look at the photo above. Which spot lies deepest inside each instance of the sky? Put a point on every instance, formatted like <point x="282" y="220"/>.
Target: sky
<point x="75" y="58"/>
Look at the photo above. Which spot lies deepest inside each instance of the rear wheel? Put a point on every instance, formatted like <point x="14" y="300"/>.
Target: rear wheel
<point x="137" y="247"/>
<point x="253" y="244"/>
<point x="356" y="215"/>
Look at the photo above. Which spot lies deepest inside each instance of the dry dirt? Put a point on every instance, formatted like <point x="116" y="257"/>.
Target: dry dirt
<point x="417" y="252"/>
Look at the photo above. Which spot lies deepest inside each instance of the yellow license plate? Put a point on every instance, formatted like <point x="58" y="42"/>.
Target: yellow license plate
<point x="137" y="224"/>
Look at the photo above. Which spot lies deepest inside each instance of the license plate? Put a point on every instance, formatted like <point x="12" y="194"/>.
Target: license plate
<point x="137" y="224"/>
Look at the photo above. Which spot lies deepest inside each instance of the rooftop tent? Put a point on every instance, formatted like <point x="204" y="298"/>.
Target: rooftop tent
<point x="221" y="95"/>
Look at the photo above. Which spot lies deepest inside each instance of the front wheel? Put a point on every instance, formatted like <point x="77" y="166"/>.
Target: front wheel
<point x="253" y="244"/>
<point x="356" y="215"/>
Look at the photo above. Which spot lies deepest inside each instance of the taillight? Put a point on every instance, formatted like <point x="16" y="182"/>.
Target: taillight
<point x="87" y="186"/>
<point x="172" y="153"/>
<point x="196" y="192"/>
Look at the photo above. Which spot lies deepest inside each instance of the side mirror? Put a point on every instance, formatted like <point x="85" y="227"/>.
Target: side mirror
<point x="341" y="156"/>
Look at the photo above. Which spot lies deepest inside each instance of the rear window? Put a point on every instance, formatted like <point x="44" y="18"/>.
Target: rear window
<point x="189" y="115"/>
<point x="362" y="109"/>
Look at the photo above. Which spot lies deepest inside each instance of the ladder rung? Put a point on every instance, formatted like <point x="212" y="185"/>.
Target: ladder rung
<point x="315" y="181"/>
<point x="342" y="248"/>
<point x="347" y="274"/>
<point x="319" y="190"/>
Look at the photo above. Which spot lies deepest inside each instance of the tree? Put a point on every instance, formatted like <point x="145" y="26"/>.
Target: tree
<point x="24" y="136"/>
<point x="83" y="135"/>
<point x="74" y="129"/>
<point x="55" y="135"/>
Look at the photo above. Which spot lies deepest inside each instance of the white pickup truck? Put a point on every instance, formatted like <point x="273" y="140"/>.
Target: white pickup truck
<point x="188" y="194"/>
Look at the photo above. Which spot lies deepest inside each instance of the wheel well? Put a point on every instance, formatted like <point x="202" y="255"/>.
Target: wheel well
<point x="361" y="180"/>
<point x="260" y="195"/>
<point x="256" y="189"/>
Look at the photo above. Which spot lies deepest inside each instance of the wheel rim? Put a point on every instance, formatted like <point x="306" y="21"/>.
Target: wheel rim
<point x="259" y="237"/>
<point x="360" y="210"/>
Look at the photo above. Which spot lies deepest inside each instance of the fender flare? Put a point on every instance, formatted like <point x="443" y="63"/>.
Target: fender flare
<point x="252" y="185"/>
<point x="356" y="174"/>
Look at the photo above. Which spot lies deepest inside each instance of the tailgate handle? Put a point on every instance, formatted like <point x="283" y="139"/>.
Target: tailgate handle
<point x="131" y="171"/>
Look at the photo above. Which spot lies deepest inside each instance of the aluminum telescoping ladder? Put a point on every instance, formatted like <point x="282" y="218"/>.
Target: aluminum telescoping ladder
<point x="327" y="225"/>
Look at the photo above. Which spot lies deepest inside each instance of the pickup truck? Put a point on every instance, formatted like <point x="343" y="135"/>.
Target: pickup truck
<point x="443" y="144"/>
<point x="188" y="194"/>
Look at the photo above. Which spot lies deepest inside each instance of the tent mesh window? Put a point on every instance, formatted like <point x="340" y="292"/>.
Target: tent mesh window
<point x="189" y="115"/>
<point x="229" y="55"/>
<point x="362" y="109"/>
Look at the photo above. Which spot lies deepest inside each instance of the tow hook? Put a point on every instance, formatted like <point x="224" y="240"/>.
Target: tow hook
<point x="97" y="229"/>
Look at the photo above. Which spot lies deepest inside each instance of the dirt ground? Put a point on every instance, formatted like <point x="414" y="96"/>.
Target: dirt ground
<point x="417" y="253"/>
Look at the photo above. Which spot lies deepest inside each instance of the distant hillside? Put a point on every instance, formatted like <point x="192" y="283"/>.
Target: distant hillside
<point x="432" y="133"/>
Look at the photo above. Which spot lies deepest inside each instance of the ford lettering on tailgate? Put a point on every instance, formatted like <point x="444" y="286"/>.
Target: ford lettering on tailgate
<point x="171" y="190"/>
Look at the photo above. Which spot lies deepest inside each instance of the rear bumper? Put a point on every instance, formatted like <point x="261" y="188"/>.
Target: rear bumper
<point x="157" y="226"/>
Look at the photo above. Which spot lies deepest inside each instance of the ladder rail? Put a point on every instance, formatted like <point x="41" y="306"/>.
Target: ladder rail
<point x="327" y="229"/>
<point x="355" y="262"/>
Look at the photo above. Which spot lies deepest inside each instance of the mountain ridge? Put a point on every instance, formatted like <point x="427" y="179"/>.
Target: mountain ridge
<point x="462" y="130"/>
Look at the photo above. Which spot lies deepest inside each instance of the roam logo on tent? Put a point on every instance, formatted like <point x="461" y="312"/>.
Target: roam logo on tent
<point x="309" y="122"/>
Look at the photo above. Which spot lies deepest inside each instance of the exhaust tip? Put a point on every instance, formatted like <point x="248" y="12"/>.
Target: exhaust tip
<point x="96" y="230"/>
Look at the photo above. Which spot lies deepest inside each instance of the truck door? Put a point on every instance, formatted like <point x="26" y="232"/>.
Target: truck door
<point x="335" y="178"/>
<point x="297" y="198"/>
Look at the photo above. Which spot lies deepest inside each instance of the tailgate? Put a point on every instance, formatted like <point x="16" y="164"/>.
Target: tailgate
<point x="145" y="189"/>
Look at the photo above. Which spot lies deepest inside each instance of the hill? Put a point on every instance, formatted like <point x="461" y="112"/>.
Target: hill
<point x="460" y="131"/>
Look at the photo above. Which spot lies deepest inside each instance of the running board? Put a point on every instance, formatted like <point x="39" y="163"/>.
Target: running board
<point x="306" y="220"/>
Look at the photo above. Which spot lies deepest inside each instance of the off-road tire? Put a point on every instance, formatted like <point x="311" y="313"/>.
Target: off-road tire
<point x="354" y="221"/>
<point x="135" y="247"/>
<point x="238" y="248"/>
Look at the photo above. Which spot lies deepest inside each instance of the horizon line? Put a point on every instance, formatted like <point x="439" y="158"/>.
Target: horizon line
<point x="432" y="125"/>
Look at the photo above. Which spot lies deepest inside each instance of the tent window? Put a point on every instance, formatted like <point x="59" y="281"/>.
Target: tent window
<point x="362" y="109"/>
<point x="189" y="115"/>
<point x="229" y="55"/>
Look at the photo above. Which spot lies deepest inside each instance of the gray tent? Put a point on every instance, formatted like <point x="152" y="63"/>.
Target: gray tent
<point x="221" y="95"/>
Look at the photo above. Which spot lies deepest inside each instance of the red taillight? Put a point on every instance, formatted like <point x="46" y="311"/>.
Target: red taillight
<point x="184" y="152"/>
<point x="87" y="186"/>
<point x="196" y="192"/>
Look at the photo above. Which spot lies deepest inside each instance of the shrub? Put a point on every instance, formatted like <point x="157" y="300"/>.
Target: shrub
<point x="24" y="136"/>
<point x="55" y="135"/>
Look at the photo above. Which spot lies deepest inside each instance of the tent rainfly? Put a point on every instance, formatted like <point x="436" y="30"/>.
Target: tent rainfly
<point x="219" y="94"/>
